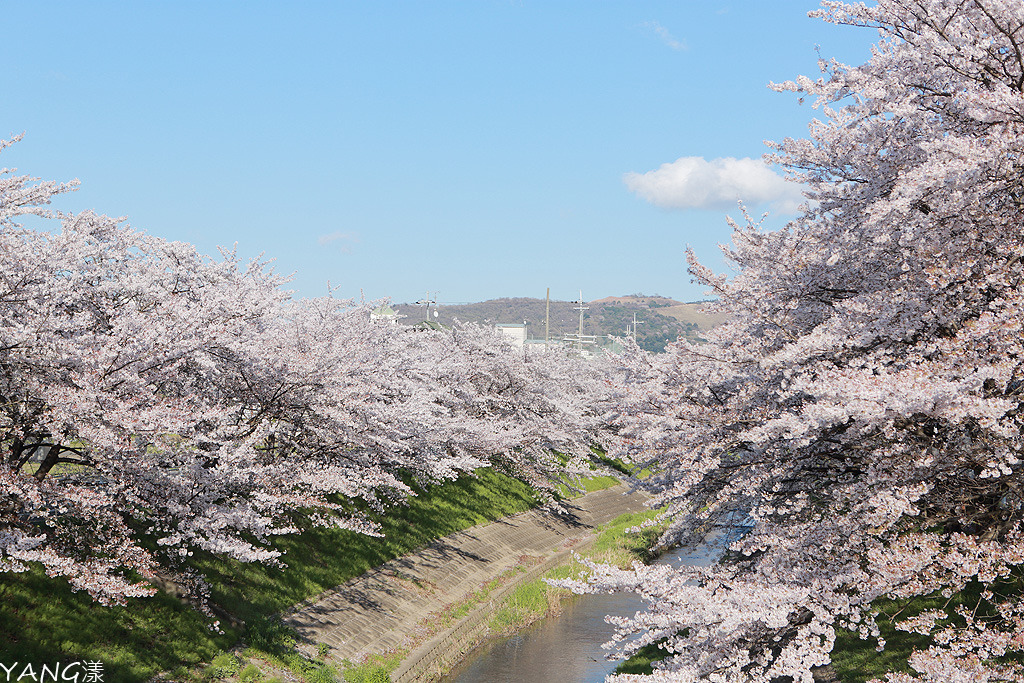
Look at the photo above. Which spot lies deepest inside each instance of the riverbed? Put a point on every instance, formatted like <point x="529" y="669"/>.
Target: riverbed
<point x="567" y="648"/>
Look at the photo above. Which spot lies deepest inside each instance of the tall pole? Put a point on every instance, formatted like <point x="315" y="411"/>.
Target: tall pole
<point x="635" y="323"/>
<point x="579" y="337"/>
<point x="547" y="320"/>
<point x="427" y="303"/>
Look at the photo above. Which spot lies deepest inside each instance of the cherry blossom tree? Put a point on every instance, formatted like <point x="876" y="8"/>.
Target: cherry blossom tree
<point x="543" y="411"/>
<point x="101" y="326"/>
<point x="148" y="392"/>
<point x="862" y="409"/>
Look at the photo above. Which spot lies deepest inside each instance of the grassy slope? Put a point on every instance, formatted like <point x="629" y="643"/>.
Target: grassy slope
<point x="856" y="660"/>
<point x="692" y="313"/>
<point x="320" y="558"/>
<point x="43" y="621"/>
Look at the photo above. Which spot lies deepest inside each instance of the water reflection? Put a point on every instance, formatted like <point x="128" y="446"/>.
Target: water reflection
<point x="564" y="649"/>
<point x="567" y="648"/>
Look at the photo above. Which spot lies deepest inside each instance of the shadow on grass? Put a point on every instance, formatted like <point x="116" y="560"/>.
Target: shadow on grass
<point x="44" y="622"/>
<point x="321" y="559"/>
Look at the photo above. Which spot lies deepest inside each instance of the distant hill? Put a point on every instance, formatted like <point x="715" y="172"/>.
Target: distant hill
<point x="692" y="313"/>
<point x="661" y="319"/>
<point x="653" y="301"/>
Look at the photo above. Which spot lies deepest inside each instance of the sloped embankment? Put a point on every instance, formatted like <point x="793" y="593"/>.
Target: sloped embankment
<point x="395" y="607"/>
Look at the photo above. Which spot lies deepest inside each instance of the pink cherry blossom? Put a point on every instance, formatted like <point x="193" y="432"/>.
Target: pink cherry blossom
<point x="861" y="410"/>
<point x="149" y="391"/>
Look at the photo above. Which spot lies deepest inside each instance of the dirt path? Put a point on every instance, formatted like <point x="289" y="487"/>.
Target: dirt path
<point x="386" y="608"/>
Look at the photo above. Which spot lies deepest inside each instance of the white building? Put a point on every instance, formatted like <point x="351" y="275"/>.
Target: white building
<point x="384" y="312"/>
<point x="514" y="332"/>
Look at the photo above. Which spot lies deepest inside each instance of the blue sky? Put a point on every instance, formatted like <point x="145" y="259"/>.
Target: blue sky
<point x="478" y="149"/>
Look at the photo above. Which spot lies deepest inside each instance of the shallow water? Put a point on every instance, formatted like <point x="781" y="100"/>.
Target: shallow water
<point x="566" y="648"/>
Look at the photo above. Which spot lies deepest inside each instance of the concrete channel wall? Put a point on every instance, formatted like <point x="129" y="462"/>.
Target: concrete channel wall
<point x="391" y="608"/>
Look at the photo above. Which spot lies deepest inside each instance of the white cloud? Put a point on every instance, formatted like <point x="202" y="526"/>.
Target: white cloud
<point x="695" y="183"/>
<point x="345" y="240"/>
<point x="665" y="36"/>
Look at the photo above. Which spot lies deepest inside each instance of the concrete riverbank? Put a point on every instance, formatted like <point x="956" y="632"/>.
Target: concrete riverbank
<point x="394" y="607"/>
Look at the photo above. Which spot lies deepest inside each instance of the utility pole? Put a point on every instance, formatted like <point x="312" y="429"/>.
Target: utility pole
<point x="579" y="337"/>
<point x="547" y="320"/>
<point x="427" y="303"/>
<point x="635" y="323"/>
<point x="581" y="308"/>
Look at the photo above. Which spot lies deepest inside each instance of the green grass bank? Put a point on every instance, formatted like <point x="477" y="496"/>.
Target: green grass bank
<point x="43" y="622"/>
<point x="537" y="599"/>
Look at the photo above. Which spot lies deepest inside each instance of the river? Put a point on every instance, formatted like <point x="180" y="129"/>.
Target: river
<point x="567" y="648"/>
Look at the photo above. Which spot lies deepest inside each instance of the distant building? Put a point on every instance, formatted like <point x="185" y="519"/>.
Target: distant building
<point x="514" y="332"/>
<point x="384" y="312"/>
